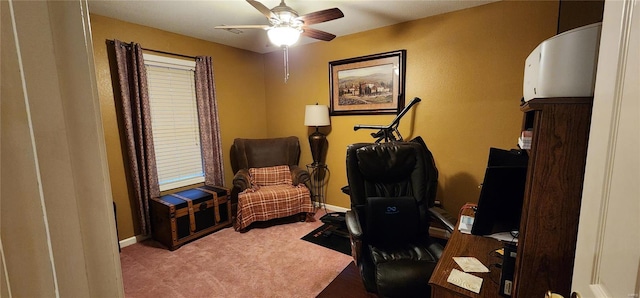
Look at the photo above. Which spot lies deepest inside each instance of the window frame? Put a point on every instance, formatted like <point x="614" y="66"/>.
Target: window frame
<point x="151" y="60"/>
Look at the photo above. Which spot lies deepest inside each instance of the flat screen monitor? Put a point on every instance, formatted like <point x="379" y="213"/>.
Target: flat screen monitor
<point x="500" y="202"/>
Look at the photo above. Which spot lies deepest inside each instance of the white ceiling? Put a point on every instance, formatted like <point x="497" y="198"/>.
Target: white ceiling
<point x="198" y="18"/>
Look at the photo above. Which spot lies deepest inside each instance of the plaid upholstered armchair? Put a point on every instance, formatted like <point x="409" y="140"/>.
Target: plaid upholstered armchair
<point x="268" y="183"/>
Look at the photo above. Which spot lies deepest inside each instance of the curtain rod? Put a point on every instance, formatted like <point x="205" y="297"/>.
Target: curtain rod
<point x="158" y="51"/>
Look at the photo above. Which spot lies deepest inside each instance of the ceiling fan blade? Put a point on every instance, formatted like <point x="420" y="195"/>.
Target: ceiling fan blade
<point x="317" y="34"/>
<point x="321" y="16"/>
<point x="265" y="27"/>
<point x="263" y="9"/>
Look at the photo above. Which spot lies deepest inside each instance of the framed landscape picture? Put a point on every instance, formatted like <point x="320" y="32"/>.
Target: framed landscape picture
<point x="368" y="85"/>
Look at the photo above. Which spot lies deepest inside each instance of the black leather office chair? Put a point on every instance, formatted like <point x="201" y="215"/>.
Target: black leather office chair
<point x="389" y="218"/>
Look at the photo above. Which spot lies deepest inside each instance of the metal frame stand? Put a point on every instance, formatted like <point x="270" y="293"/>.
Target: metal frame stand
<point x="319" y="178"/>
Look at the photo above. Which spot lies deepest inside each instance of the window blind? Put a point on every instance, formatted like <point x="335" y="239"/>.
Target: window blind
<point x="174" y="121"/>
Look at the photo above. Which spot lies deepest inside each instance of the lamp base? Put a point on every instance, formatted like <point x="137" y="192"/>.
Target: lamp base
<point x="317" y="142"/>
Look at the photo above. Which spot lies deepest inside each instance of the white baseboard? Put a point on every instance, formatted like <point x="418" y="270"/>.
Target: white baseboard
<point x="132" y="240"/>
<point x="336" y="208"/>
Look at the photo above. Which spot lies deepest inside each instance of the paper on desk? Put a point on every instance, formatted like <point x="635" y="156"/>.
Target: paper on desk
<point x="465" y="280"/>
<point x="470" y="264"/>
<point x="504" y="236"/>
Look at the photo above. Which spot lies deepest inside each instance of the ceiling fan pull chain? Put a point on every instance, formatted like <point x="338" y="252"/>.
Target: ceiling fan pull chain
<point x="286" y="63"/>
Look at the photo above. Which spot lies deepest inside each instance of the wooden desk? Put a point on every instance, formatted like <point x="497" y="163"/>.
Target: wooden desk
<point x="464" y="245"/>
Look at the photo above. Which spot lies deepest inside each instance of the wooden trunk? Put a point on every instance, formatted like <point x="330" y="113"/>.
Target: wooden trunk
<point x="190" y="214"/>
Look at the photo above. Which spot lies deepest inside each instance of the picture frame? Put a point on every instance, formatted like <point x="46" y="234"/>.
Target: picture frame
<point x="368" y="85"/>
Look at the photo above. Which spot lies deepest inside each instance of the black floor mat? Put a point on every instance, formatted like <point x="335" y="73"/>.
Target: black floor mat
<point x="330" y="237"/>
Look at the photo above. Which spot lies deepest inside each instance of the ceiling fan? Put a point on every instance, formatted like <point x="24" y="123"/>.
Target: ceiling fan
<point x="286" y="26"/>
<point x="284" y="21"/>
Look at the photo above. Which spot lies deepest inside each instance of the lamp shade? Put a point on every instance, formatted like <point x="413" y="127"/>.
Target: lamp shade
<point x="283" y="36"/>
<point x="316" y="115"/>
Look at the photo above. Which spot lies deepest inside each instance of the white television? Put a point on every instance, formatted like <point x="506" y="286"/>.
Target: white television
<point x="563" y="65"/>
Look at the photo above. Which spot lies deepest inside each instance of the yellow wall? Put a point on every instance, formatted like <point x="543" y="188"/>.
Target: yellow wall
<point x="239" y="81"/>
<point x="466" y="66"/>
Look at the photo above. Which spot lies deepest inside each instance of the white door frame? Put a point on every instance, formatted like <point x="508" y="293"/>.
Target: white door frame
<point x="607" y="262"/>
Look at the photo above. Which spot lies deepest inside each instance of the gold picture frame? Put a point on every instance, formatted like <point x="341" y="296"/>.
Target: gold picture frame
<point x="368" y="85"/>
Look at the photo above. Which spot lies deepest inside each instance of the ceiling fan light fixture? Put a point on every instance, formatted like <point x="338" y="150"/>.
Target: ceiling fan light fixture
<point x="283" y="36"/>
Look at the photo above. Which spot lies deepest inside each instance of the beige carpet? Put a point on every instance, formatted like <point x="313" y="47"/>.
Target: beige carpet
<point x="269" y="262"/>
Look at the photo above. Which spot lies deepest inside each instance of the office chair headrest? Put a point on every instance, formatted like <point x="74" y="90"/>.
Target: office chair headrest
<point x="387" y="162"/>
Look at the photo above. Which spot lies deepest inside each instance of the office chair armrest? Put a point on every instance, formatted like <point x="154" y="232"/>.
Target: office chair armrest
<point x="299" y="175"/>
<point x="436" y="249"/>
<point x="355" y="235"/>
<point x="353" y="225"/>
<point x="241" y="180"/>
<point x="443" y="217"/>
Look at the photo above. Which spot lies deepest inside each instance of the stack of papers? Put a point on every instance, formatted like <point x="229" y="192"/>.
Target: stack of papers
<point x="524" y="141"/>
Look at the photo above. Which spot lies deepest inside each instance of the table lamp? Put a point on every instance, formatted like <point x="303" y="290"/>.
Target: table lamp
<point x="317" y="115"/>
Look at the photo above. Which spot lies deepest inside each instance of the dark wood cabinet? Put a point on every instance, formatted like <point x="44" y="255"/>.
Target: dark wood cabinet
<point x="551" y="208"/>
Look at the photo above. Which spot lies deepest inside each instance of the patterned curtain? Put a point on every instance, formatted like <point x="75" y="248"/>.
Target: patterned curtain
<point x="134" y="96"/>
<point x="209" y="123"/>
